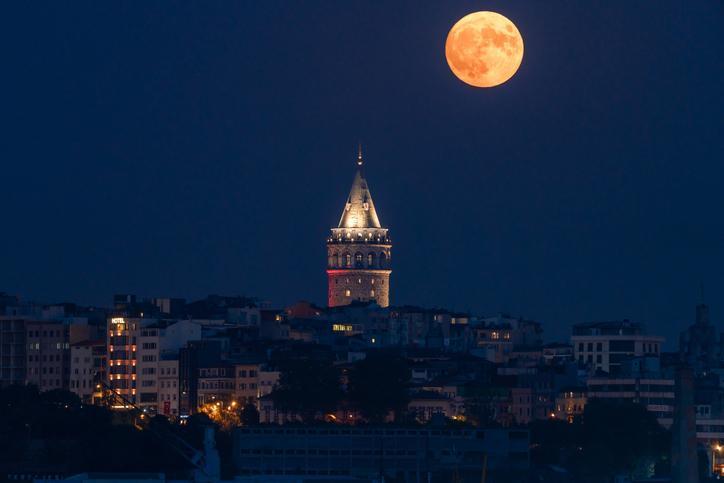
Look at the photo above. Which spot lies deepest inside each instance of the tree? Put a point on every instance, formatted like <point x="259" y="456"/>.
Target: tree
<point x="611" y="438"/>
<point x="307" y="387"/>
<point x="622" y="437"/>
<point x="552" y="440"/>
<point x="249" y="415"/>
<point x="378" y="385"/>
<point x="482" y="402"/>
<point x="226" y="417"/>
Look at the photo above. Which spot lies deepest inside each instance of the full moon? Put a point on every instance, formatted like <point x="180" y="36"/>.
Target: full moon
<point x="484" y="49"/>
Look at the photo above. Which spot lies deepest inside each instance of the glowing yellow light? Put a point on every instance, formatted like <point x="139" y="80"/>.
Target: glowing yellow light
<point x="117" y="320"/>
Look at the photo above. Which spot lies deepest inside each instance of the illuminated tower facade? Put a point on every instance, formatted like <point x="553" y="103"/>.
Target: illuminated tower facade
<point x="358" y="251"/>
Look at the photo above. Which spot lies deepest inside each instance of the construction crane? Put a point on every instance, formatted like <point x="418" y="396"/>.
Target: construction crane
<point x="205" y="463"/>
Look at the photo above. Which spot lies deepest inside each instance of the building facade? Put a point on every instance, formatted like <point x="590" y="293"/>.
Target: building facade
<point x="48" y="355"/>
<point x="136" y="347"/>
<point x="358" y="251"/>
<point x="168" y="386"/>
<point x="606" y="345"/>
<point x="87" y="369"/>
<point x="13" y="348"/>
<point x="406" y="453"/>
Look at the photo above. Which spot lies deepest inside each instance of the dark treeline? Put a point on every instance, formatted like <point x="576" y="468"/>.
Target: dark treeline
<point x="53" y="433"/>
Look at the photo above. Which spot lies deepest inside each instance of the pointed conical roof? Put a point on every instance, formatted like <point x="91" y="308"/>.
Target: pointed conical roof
<point x="359" y="211"/>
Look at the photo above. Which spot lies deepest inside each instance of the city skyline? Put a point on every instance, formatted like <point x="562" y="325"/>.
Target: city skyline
<point x="191" y="289"/>
<point x="183" y="156"/>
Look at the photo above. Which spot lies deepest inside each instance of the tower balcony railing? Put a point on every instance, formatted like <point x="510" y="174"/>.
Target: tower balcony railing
<point x="357" y="266"/>
<point x="358" y="241"/>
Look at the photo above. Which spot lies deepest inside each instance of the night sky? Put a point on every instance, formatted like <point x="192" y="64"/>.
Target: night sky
<point x="172" y="149"/>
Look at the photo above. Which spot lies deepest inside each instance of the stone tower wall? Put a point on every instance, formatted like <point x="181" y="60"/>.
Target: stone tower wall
<point x="358" y="271"/>
<point x="346" y="286"/>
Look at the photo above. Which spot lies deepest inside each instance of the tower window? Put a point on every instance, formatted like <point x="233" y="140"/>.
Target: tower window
<point x="370" y="259"/>
<point x="347" y="260"/>
<point x="359" y="280"/>
<point x="372" y="293"/>
<point x="347" y="293"/>
<point x="358" y="260"/>
<point x="383" y="260"/>
<point x="372" y="282"/>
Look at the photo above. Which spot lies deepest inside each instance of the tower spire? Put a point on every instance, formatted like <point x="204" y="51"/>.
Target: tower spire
<point x="360" y="161"/>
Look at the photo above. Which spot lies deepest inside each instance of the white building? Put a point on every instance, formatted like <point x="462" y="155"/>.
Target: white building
<point x="605" y="345"/>
<point x="87" y="368"/>
<point x="168" y="387"/>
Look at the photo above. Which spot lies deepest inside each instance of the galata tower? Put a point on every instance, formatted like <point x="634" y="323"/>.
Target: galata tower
<point x="358" y="252"/>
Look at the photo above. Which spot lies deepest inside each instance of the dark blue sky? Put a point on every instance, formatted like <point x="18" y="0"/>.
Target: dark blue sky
<point x="184" y="149"/>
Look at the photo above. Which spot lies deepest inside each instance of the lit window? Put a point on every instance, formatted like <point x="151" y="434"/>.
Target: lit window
<point x="372" y="293"/>
<point x="347" y="293"/>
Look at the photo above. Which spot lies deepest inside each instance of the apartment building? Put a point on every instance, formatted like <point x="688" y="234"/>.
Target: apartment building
<point x="87" y="369"/>
<point x="48" y="355"/>
<point x="135" y="349"/>
<point x="605" y="345"/>
<point x="13" y="349"/>
<point x="168" y="386"/>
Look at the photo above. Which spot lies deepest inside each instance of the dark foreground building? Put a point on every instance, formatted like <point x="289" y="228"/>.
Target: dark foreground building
<point x="368" y="452"/>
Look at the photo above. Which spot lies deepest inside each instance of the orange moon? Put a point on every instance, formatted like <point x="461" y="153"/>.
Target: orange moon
<point x="484" y="49"/>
